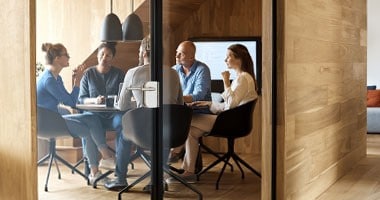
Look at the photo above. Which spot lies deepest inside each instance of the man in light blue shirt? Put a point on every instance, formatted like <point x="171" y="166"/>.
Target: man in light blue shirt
<point x="195" y="81"/>
<point x="194" y="75"/>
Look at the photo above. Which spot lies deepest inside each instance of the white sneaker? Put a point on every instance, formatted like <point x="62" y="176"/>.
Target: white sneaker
<point x="108" y="164"/>
<point x="92" y="179"/>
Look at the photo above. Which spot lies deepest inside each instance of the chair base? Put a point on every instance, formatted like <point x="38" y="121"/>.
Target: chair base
<point x="167" y="170"/>
<point x="210" y="151"/>
<point x="226" y="158"/>
<point x="52" y="156"/>
<point x="86" y="167"/>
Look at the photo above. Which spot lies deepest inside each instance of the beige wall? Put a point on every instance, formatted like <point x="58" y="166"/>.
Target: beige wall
<point x="18" y="170"/>
<point x="322" y="79"/>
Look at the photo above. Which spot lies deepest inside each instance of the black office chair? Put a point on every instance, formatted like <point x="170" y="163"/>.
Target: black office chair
<point x="231" y="124"/>
<point x="176" y="124"/>
<point x="51" y="125"/>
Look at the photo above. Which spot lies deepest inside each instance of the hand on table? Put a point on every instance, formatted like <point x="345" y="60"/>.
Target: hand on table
<point x="199" y="103"/>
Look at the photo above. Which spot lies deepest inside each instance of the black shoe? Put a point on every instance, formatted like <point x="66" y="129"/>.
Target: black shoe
<point x="115" y="185"/>
<point x="148" y="187"/>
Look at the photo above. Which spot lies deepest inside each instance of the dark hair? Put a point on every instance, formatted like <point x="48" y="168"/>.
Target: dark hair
<point x="241" y="52"/>
<point x="108" y="45"/>
<point x="52" y="51"/>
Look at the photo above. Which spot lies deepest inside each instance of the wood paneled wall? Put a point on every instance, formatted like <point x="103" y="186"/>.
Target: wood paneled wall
<point x="227" y="18"/>
<point x="126" y="56"/>
<point x="77" y="24"/>
<point x="322" y="105"/>
<point x="266" y="101"/>
<point x="18" y="166"/>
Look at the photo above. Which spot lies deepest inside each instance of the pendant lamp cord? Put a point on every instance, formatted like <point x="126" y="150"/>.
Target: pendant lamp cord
<point x="111" y="5"/>
<point x="132" y="1"/>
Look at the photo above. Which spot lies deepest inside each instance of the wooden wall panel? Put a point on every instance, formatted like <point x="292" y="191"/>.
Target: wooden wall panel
<point x="126" y="56"/>
<point x="266" y="105"/>
<point x="322" y="118"/>
<point x="215" y="18"/>
<point x="77" y="26"/>
<point x="228" y="18"/>
<point x="18" y="167"/>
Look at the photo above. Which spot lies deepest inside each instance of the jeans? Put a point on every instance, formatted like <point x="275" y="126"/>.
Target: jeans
<point x="123" y="154"/>
<point x="123" y="147"/>
<point x="89" y="128"/>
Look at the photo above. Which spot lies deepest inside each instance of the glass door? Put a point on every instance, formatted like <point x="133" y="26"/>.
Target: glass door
<point x="168" y="23"/>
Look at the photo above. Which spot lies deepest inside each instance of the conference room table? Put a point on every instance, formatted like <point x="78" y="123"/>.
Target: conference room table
<point x="96" y="108"/>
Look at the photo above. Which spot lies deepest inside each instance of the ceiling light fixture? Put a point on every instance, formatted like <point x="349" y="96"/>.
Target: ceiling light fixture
<point x="132" y="27"/>
<point x="111" y="28"/>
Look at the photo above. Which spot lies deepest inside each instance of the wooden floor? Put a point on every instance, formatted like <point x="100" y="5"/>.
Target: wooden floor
<point x="73" y="187"/>
<point x="362" y="183"/>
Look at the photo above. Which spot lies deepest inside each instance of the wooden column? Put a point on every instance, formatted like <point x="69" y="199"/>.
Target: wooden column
<point x="322" y="88"/>
<point x="18" y="152"/>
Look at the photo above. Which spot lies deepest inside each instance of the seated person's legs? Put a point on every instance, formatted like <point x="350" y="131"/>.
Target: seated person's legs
<point x="78" y="129"/>
<point x="191" y="150"/>
<point x="200" y="124"/>
<point x="190" y="157"/>
<point x="176" y="154"/>
<point x="97" y="136"/>
<point x="123" y="152"/>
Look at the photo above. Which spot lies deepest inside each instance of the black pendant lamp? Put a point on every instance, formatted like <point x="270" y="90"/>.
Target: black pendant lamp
<point x="111" y="28"/>
<point x="132" y="27"/>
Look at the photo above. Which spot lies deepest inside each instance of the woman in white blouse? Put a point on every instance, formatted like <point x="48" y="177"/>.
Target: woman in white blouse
<point x="242" y="90"/>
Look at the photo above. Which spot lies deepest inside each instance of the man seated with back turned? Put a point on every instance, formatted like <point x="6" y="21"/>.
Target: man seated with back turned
<point x="136" y="77"/>
<point x="195" y="82"/>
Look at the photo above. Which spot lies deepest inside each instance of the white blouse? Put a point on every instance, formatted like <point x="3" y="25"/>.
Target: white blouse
<point x="241" y="91"/>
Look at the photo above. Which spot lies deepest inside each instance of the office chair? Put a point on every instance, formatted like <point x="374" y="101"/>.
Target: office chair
<point x="231" y="124"/>
<point x="176" y="124"/>
<point x="51" y="125"/>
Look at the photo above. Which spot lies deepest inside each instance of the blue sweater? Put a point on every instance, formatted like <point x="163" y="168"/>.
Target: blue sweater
<point x="51" y="92"/>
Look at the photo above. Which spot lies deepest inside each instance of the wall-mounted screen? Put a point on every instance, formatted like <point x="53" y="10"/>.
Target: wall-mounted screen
<point x="212" y="51"/>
